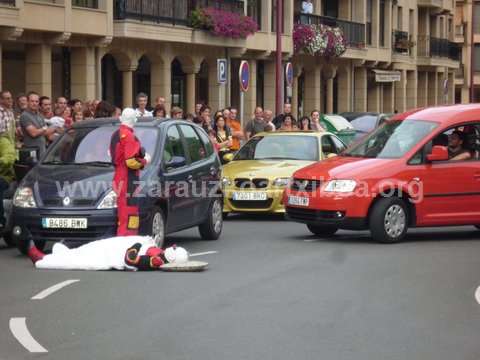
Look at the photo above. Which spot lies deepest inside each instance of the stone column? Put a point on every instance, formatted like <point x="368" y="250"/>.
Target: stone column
<point x="374" y="97"/>
<point x="344" y="83"/>
<point x="360" y="95"/>
<point x="401" y="93"/>
<point x="191" y="72"/>
<point x="161" y="80"/>
<point x="38" y="63"/>
<point x="267" y="15"/>
<point x="412" y="89"/>
<point x="451" y="87"/>
<point x="127" y="87"/>
<point x="313" y="90"/>
<point x="269" y="85"/>
<point x="422" y="94"/>
<point x="388" y="97"/>
<point x="296" y="74"/>
<point x="432" y="87"/>
<point x="215" y="99"/>
<point x="441" y="98"/>
<point x="83" y="73"/>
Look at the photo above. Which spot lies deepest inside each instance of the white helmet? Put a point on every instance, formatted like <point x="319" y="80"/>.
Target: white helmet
<point x="128" y="117"/>
<point x="177" y="255"/>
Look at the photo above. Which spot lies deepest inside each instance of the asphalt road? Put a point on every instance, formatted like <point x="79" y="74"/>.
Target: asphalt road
<point x="273" y="291"/>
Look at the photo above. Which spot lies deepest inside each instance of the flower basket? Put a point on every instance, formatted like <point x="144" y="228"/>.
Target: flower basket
<point x="319" y="40"/>
<point x="223" y="23"/>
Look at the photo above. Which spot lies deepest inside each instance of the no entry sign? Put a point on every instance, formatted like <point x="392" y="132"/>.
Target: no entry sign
<point x="244" y="76"/>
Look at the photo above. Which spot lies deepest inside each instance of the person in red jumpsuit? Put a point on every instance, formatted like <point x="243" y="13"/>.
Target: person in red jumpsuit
<point x="129" y="158"/>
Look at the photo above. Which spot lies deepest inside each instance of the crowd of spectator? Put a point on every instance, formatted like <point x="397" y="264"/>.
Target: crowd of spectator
<point x="34" y="121"/>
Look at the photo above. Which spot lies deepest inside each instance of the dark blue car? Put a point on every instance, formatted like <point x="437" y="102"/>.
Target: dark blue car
<point x="68" y="195"/>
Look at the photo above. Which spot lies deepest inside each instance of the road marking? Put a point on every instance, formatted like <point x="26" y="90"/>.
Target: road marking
<point x="47" y="292"/>
<point x="311" y="240"/>
<point x="18" y="327"/>
<point x="204" y="253"/>
<point x="477" y="295"/>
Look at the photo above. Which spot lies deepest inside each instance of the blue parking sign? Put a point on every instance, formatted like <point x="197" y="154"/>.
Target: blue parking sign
<point x="222" y="71"/>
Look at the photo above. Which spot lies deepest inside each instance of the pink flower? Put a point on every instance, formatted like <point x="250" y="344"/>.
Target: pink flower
<point x="227" y="24"/>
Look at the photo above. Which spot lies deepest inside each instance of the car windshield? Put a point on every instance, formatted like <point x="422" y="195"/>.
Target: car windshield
<point x="392" y="140"/>
<point x="285" y="147"/>
<point x="91" y="146"/>
<point x="364" y="123"/>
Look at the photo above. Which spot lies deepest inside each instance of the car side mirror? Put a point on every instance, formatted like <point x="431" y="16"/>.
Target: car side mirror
<point x="228" y="157"/>
<point x="176" y="162"/>
<point x="439" y="153"/>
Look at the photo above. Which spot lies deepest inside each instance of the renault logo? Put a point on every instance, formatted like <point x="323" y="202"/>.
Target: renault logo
<point x="66" y="201"/>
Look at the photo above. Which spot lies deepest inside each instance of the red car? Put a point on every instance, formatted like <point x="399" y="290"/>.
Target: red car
<point x="421" y="169"/>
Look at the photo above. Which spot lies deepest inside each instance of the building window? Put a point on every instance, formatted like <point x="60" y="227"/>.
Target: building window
<point x="411" y="21"/>
<point x="476" y="14"/>
<point x="400" y="18"/>
<point x="369" y="21"/>
<point x="260" y="83"/>
<point x="476" y="66"/>
<point x="382" y="23"/>
<point x="330" y="8"/>
<point x="274" y="16"/>
<point x="254" y="10"/>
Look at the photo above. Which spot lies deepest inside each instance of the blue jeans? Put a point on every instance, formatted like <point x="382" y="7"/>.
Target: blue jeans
<point x="3" y="187"/>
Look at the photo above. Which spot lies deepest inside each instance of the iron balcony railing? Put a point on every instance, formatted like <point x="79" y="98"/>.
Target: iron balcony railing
<point x="174" y="12"/>
<point x="354" y="32"/>
<point x="7" y="2"/>
<point x="91" y="4"/>
<point x="435" y="47"/>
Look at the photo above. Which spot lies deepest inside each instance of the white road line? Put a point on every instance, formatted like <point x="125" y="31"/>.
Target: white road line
<point x="477" y="295"/>
<point x="47" y="292"/>
<point x="18" y="327"/>
<point x="204" y="253"/>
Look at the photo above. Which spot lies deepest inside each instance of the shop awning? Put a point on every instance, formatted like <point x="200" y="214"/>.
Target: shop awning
<point x="387" y="75"/>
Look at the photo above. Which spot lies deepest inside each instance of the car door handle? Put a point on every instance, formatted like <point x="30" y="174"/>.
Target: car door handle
<point x="190" y="177"/>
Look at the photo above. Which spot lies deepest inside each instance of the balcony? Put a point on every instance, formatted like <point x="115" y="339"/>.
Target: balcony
<point x="354" y="32"/>
<point x="402" y="43"/>
<point x="430" y="3"/>
<point x="90" y="4"/>
<point x="172" y="12"/>
<point x="7" y="2"/>
<point x="460" y="30"/>
<point x="435" y="47"/>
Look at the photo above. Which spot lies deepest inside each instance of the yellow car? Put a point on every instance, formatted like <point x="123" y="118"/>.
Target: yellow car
<point x="254" y="180"/>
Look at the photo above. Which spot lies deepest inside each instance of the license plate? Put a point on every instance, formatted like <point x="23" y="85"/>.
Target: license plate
<point x="298" y="200"/>
<point x="64" y="223"/>
<point x="250" y="196"/>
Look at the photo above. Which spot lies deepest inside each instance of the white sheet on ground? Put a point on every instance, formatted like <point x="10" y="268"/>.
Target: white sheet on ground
<point x="108" y="254"/>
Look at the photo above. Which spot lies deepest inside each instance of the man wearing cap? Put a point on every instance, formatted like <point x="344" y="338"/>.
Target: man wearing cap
<point x="129" y="158"/>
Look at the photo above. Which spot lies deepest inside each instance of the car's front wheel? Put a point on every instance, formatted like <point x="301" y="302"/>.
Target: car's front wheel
<point x="156" y="226"/>
<point x="389" y="220"/>
<point x="322" y="230"/>
<point x="212" y="226"/>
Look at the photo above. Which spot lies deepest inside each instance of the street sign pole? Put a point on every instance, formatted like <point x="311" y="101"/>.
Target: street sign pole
<point x="222" y="78"/>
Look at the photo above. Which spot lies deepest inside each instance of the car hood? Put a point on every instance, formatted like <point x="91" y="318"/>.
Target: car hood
<point x="269" y="169"/>
<point x="342" y="167"/>
<point x="76" y="182"/>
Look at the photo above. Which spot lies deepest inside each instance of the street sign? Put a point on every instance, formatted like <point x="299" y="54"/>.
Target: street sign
<point x="289" y="74"/>
<point x="222" y="71"/>
<point x="244" y="76"/>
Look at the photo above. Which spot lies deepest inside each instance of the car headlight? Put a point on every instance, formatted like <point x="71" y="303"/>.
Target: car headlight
<point x="341" y="186"/>
<point x="226" y="182"/>
<point x="281" y="182"/>
<point x="23" y="198"/>
<point x="109" y="201"/>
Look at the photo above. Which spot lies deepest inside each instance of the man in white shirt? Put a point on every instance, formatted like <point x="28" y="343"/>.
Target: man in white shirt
<point x="307" y="7"/>
<point x="142" y="101"/>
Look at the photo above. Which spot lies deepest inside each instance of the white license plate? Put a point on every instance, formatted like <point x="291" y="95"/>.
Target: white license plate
<point x="298" y="200"/>
<point x="64" y="223"/>
<point x="250" y="196"/>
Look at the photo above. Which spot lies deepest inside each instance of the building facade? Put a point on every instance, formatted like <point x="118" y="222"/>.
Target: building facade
<point x="401" y="53"/>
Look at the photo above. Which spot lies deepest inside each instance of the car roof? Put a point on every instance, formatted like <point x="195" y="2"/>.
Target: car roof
<point x="143" y="122"/>
<point x="295" y="133"/>
<point x="448" y="115"/>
